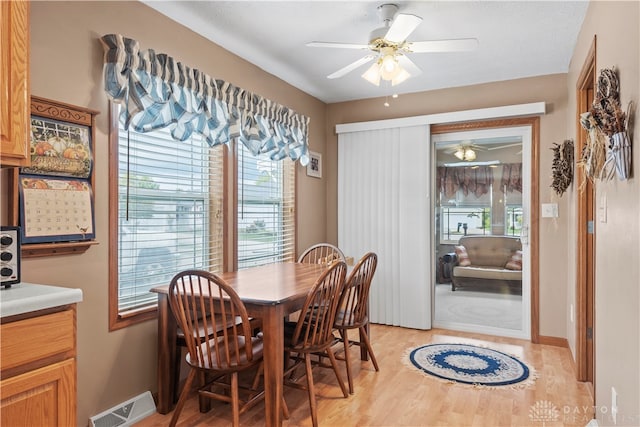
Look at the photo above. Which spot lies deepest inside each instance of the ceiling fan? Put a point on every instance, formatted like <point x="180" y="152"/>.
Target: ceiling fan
<point x="465" y="151"/>
<point x="389" y="48"/>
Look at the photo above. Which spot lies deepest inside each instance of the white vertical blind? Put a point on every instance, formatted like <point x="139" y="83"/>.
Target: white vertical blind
<point x="383" y="206"/>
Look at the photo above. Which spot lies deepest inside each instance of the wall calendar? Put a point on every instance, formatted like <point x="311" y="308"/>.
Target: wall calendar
<point x="55" y="209"/>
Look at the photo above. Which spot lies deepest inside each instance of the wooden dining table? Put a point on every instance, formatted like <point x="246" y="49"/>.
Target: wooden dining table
<point x="269" y="292"/>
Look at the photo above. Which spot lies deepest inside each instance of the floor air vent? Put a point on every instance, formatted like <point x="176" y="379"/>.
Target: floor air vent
<point x="126" y="413"/>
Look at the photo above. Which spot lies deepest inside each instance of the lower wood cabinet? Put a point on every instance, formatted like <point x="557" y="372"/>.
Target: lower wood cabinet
<point x="42" y="397"/>
<point x="38" y="366"/>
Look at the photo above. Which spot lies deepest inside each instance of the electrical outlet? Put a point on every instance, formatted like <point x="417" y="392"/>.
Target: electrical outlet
<point x="614" y="405"/>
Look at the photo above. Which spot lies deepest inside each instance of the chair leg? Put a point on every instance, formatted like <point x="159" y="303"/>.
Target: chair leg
<point x="235" y="399"/>
<point x="311" y="390"/>
<point x="334" y="363"/>
<point x="285" y="409"/>
<point x="256" y="383"/>
<point x="345" y="340"/>
<point x="256" y="379"/>
<point x="204" y="403"/>
<point x="365" y="338"/>
<point x="183" y="398"/>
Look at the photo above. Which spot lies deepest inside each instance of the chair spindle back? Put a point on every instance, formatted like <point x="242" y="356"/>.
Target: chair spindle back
<point x="353" y="306"/>
<point x="315" y="325"/>
<point x="209" y="311"/>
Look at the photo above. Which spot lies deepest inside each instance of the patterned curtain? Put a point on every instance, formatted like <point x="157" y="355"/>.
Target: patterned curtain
<point x="156" y="91"/>
<point x="511" y="177"/>
<point x="477" y="179"/>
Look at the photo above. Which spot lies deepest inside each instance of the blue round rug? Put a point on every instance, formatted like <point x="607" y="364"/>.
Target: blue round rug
<point x="469" y="364"/>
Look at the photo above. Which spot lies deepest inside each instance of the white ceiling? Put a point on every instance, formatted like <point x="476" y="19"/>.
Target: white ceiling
<point x="516" y="39"/>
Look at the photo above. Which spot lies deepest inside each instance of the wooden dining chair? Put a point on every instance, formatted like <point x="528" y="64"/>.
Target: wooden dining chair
<point x="219" y="342"/>
<point x="353" y="309"/>
<point x="322" y="253"/>
<point x="181" y="343"/>
<point x="313" y="332"/>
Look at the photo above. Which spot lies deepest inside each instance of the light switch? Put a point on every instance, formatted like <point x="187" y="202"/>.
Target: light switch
<point x="602" y="209"/>
<point x="549" y="210"/>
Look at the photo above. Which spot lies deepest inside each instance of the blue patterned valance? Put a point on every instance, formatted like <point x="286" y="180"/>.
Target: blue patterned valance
<point x="156" y="91"/>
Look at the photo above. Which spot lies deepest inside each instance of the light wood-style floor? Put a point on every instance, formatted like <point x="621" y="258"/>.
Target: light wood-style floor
<point x="400" y="395"/>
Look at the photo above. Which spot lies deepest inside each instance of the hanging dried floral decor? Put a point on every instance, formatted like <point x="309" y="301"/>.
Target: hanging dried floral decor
<point x="607" y="123"/>
<point x="562" y="166"/>
<point x="594" y="152"/>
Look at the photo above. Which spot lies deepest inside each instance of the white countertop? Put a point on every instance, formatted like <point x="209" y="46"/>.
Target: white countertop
<point x="26" y="297"/>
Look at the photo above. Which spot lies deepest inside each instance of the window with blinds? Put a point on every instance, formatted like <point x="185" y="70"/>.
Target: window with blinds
<point x="169" y="212"/>
<point x="265" y="210"/>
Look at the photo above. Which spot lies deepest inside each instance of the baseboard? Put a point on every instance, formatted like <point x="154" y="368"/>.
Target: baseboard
<point x="555" y="341"/>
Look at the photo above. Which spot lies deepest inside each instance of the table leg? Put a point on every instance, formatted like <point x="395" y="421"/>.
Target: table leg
<point x="273" y="335"/>
<point x="167" y="330"/>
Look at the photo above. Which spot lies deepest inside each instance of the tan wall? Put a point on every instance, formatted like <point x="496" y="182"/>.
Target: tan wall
<point x="549" y="89"/>
<point x="66" y="65"/>
<point x="617" y="318"/>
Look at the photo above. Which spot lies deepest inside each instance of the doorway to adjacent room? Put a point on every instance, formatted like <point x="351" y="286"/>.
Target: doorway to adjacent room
<point x="482" y="188"/>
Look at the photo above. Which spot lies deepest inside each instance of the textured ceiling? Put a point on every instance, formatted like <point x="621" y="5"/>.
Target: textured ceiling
<point x="516" y="39"/>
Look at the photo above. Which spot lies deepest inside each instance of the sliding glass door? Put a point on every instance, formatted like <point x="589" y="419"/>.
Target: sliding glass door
<point x="482" y="190"/>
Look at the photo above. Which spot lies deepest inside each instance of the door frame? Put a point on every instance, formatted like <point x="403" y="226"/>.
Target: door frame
<point x="585" y="248"/>
<point x="534" y="221"/>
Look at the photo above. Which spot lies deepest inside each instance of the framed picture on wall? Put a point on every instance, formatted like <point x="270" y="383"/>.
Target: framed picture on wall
<point x="314" y="168"/>
<point x="52" y="199"/>
<point x="60" y="148"/>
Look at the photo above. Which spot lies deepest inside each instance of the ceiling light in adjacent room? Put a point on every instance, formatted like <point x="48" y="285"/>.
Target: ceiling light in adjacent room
<point x="465" y="153"/>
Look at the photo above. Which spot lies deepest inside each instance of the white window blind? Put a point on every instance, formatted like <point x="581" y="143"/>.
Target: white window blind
<point x="265" y="210"/>
<point x="170" y="212"/>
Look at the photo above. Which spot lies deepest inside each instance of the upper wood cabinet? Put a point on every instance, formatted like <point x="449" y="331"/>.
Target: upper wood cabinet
<point x="14" y="83"/>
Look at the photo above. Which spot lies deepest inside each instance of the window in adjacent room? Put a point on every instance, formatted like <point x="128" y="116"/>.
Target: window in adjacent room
<point x="484" y="207"/>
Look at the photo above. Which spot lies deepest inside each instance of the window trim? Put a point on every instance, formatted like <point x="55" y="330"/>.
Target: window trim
<point x="117" y="320"/>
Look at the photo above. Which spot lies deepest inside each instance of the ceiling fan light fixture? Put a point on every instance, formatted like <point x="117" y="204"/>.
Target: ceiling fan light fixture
<point x="465" y="153"/>
<point x="469" y="155"/>
<point x="389" y="64"/>
<point x="372" y="75"/>
<point x="400" y="77"/>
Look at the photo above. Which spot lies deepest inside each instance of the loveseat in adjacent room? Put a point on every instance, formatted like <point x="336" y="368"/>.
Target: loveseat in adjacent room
<point x="488" y="262"/>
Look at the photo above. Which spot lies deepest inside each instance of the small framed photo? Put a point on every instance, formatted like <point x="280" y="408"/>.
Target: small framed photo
<point x="314" y="168"/>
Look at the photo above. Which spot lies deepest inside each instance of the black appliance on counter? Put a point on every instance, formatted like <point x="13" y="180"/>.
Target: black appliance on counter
<point x="9" y="256"/>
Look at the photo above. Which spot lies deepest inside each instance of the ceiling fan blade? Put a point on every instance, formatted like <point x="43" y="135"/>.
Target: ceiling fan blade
<point x="409" y="66"/>
<point x="403" y="25"/>
<point x="345" y="70"/>
<point x="452" y="45"/>
<point x="500" y="147"/>
<point x="338" y="45"/>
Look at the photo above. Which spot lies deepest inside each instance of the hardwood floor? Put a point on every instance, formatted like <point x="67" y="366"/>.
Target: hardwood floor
<point x="400" y="395"/>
